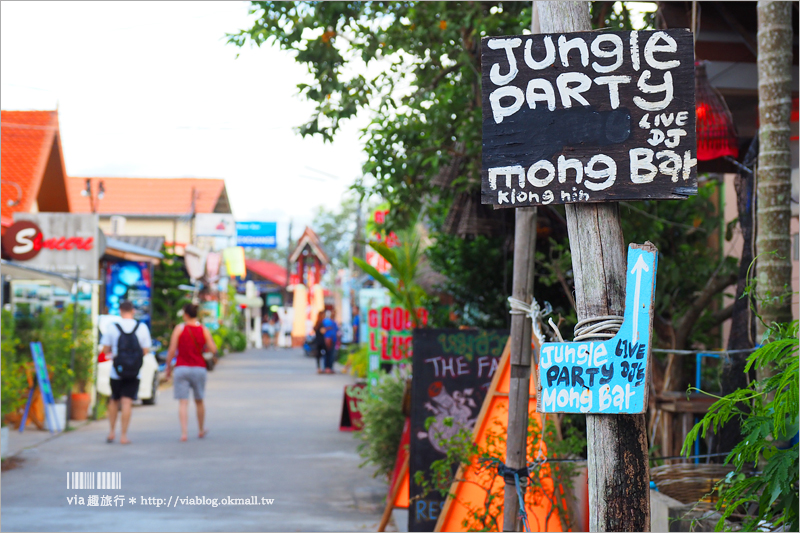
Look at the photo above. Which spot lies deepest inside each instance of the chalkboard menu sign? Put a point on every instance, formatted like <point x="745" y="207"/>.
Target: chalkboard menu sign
<point x="588" y="117"/>
<point x="452" y="370"/>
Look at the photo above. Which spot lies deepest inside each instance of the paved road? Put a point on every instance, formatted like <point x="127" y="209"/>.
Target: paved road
<point x="273" y="433"/>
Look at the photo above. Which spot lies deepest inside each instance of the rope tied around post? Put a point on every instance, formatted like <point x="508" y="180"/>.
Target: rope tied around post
<point x="511" y="475"/>
<point x="598" y="327"/>
<point x="533" y="311"/>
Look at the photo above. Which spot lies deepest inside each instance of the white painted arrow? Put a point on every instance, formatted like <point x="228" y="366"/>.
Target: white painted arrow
<point x="637" y="269"/>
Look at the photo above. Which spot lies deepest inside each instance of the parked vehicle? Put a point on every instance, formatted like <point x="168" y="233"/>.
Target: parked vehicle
<point x="150" y="373"/>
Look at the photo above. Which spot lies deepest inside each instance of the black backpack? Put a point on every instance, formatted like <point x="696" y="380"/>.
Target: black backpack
<point x="130" y="355"/>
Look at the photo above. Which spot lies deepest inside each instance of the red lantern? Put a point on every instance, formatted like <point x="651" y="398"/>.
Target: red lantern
<point x="716" y="133"/>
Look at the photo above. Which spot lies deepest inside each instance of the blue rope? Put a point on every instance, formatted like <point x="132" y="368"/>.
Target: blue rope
<point x="523" y="514"/>
<point x="506" y="472"/>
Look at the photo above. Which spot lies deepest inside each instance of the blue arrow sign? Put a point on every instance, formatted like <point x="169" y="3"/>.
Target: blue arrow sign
<point x="606" y="377"/>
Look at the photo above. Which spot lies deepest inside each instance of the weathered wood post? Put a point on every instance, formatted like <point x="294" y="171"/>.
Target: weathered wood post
<point x="519" y="386"/>
<point x="521" y="332"/>
<point x="618" y="470"/>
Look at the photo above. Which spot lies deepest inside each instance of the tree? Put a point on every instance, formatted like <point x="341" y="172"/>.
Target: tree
<point x="774" y="186"/>
<point x="168" y="299"/>
<point x="336" y="229"/>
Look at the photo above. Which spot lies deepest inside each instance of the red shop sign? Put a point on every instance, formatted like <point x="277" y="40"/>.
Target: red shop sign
<point x="24" y="240"/>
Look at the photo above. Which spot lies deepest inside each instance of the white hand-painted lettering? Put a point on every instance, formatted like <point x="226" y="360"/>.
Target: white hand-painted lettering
<point x="565" y="164"/>
<point x="547" y="197"/>
<point x="545" y="165"/>
<point x="642" y="159"/>
<point x="613" y="83"/>
<point x="549" y="56"/>
<point x="671" y="166"/>
<point x="609" y="174"/>
<point x="508" y="45"/>
<point x="615" y="52"/>
<point x="508" y="172"/>
<point x="564" y="47"/>
<point x="546" y="95"/>
<point x="682" y="118"/>
<point x="656" y="137"/>
<point x="634" y="40"/>
<point x="688" y="163"/>
<point x="573" y="93"/>
<point x="652" y="47"/>
<point x="665" y="88"/>
<point x="674" y="137"/>
<point x="498" y="111"/>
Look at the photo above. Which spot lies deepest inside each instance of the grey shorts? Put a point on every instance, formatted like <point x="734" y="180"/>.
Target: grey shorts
<point x="189" y="377"/>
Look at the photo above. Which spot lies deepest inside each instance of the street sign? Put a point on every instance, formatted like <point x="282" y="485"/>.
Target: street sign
<point x="43" y="381"/>
<point x="354" y="395"/>
<point x="612" y="376"/>
<point x="389" y="337"/>
<point x="257" y="234"/>
<point x="452" y="371"/>
<point x="588" y="117"/>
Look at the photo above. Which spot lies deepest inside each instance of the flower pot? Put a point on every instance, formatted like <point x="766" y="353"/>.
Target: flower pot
<point x="61" y="417"/>
<point x="4" y="441"/>
<point x="80" y="406"/>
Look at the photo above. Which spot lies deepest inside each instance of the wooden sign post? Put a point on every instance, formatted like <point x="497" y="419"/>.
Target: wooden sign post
<point x="580" y="118"/>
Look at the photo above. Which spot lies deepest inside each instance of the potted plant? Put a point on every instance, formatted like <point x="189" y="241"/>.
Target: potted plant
<point x="83" y="366"/>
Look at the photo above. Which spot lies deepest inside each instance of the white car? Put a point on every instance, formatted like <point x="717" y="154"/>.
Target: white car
<point x="150" y="376"/>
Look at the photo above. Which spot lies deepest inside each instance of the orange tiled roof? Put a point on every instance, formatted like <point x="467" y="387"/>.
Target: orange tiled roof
<point x="147" y="196"/>
<point x="27" y="138"/>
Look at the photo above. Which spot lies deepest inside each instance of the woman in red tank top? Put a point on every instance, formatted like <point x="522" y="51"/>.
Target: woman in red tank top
<point x="190" y="340"/>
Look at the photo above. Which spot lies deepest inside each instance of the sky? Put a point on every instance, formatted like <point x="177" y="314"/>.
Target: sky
<point x="151" y="89"/>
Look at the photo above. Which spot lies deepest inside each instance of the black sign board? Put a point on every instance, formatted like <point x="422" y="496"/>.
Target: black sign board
<point x="588" y="117"/>
<point x="452" y="371"/>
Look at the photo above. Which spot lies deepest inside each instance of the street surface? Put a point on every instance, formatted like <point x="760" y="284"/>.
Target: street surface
<point x="273" y="433"/>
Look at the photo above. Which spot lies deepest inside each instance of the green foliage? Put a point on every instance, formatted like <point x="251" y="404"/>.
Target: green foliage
<point x="383" y="420"/>
<point x="336" y="230"/>
<point x="168" y="299"/>
<point x="14" y="384"/>
<point x="357" y="360"/>
<point x="767" y="411"/>
<point x="484" y="458"/>
<point x="404" y="259"/>
<point x="229" y="339"/>
<point x="485" y="308"/>
<point x="54" y="331"/>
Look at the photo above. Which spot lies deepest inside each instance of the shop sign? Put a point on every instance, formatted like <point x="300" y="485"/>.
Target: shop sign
<point x="257" y="234"/>
<point x="214" y="225"/>
<point x="58" y="242"/>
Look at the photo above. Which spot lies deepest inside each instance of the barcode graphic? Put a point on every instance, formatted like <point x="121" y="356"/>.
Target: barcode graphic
<point x="94" y="480"/>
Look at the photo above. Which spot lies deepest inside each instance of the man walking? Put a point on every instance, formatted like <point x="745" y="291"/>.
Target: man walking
<point x="126" y="342"/>
<point x="331" y="339"/>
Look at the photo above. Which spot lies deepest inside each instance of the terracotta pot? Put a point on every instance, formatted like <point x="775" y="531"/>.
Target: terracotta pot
<point x="80" y="406"/>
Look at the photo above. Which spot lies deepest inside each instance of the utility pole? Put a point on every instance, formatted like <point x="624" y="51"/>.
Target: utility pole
<point x="521" y="332"/>
<point x="618" y="470"/>
<point x="288" y="274"/>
